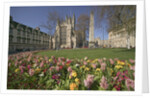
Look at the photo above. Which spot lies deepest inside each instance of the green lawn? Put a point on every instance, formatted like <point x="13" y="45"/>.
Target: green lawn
<point x="120" y="53"/>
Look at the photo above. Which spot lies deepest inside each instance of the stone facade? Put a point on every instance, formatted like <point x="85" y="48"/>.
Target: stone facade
<point x="101" y="43"/>
<point x="23" y="38"/>
<point x="118" y="39"/>
<point x="65" y="36"/>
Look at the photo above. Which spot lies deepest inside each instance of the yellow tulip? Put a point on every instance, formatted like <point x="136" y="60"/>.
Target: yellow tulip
<point x="98" y="69"/>
<point x="17" y="70"/>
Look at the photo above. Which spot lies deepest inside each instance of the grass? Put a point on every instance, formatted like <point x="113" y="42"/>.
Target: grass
<point x="121" y="53"/>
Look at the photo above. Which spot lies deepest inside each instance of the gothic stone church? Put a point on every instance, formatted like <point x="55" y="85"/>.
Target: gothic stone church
<point x="64" y="36"/>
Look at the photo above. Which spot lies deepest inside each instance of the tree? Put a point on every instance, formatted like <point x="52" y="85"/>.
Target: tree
<point x="51" y="23"/>
<point x="83" y="27"/>
<point x="122" y="16"/>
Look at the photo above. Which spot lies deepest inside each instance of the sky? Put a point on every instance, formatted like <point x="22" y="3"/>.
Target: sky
<point x="36" y="16"/>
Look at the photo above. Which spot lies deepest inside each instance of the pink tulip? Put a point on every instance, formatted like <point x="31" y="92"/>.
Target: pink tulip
<point x="94" y="65"/>
<point x="9" y="64"/>
<point x="116" y="59"/>
<point x="51" y="68"/>
<point x="100" y="61"/>
<point x="52" y="57"/>
<point x="103" y="83"/>
<point x="57" y="68"/>
<point x="21" y="68"/>
<point x="59" y="59"/>
<point x="29" y="58"/>
<point x="132" y="61"/>
<point x="16" y="63"/>
<point x="63" y="63"/>
<point x="68" y="61"/>
<point x="103" y="65"/>
<point x="69" y="69"/>
<point x="129" y="83"/>
<point x="84" y="62"/>
<point x="111" y="61"/>
<point x="42" y="64"/>
<point x="46" y="58"/>
<point x="118" y="73"/>
<point x="31" y="72"/>
<point x="132" y="68"/>
<point x="89" y="81"/>
<point x="28" y="67"/>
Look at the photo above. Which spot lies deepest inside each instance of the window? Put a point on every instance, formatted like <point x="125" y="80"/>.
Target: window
<point x="18" y="32"/>
<point x="63" y="35"/>
<point x="23" y="40"/>
<point x="24" y="34"/>
<point x="10" y="39"/>
<point x="11" y="31"/>
<point x="18" y="40"/>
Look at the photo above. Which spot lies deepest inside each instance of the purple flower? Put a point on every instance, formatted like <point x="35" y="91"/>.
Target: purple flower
<point x="103" y="83"/>
<point x="55" y="77"/>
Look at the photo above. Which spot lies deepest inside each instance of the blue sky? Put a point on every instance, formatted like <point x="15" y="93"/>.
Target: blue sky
<point x="36" y="16"/>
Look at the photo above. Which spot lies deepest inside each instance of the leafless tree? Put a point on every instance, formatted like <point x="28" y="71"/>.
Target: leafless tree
<point x="82" y="27"/>
<point x="51" y="22"/>
<point x="121" y="16"/>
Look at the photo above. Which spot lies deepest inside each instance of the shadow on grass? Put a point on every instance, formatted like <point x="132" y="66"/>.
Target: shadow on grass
<point x="124" y="50"/>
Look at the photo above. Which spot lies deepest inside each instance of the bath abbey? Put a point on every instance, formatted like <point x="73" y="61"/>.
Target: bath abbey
<point x="25" y="38"/>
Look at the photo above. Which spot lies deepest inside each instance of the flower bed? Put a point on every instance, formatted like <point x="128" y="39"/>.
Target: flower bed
<point x="29" y="71"/>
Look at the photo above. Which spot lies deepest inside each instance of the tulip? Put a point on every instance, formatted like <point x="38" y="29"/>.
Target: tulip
<point x="103" y="83"/>
<point x="89" y="81"/>
<point x="129" y="83"/>
<point x="69" y="69"/>
<point x="103" y="65"/>
<point x="31" y="72"/>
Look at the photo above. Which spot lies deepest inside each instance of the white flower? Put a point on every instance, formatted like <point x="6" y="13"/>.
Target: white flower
<point x="34" y="65"/>
<point x="85" y="58"/>
<point x="77" y="65"/>
<point x="42" y="74"/>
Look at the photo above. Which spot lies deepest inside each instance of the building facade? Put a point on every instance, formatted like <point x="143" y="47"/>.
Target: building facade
<point x="65" y="36"/>
<point x="119" y="39"/>
<point x="23" y="38"/>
